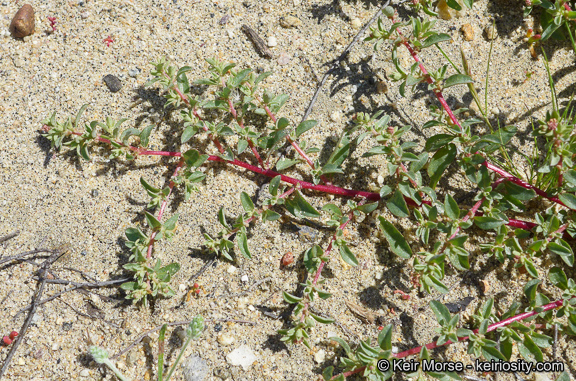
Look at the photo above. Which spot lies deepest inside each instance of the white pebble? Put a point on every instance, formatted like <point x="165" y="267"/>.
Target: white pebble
<point x="85" y="15"/>
<point x="231" y="269"/>
<point x="85" y="373"/>
<point x="55" y="346"/>
<point x="394" y="349"/>
<point x="225" y="339"/>
<point x="242" y="356"/>
<point x="244" y="278"/>
<point x="272" y="41"/>
<point x="230" y="33"/>
<point x="181" y="287"/>
<point x="335" y="116"/>
<point x="21" y="361"/>
<point x="320" y="356"/>
<point x="356" y="23"/>
<point x="380" y="179"/>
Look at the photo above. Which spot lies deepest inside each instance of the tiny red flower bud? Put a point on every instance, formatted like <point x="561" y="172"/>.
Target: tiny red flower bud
<point x="195" y="285"/>
<point x="6" y="340"/>
<point x="380" y="328"/>
<point x="13" y="335"/>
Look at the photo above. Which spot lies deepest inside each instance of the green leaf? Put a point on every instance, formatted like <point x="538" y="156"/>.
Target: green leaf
<point x="348" y="256"/>
<point x="321" y="319"/>
<point x="529" y="350"/>
<point x="441" y="312"/>
<point x="530" y="288"/>
<point x="368" y="208"/>
<point x="397" y="242"/>
<point x="457" y="79"/>
<point x="488" y="223"/>
<point x="385" y="338"/>
<point x="274" y="184"/>
<point x="286" y="163"/>
<point x="438" y="141"/>
<point x="247" y="203"/>
<point x="300" y="208"/>
<point x="439" y="162"/>
<point x="145" y="135"/>
<point x="451" y="208"/>
<point x="166" y="272"/>
<point x="343" y="344"/>
<point x="79" y="115"/>
<point x="170" y="224"/>
<point x="243" y="245"/>
<point x="435" y="39"/>
<point x="148" y="187"/>
<point x="188" y="133"/>
<point x="291" y="299"/>
<point x="558" y="278"/>
<point x="491" y="353"/>
<point x="152" y="221"/>
<point x="397" y="205"/>
<point x="242" y="145"/>
<point x="193" y="158"/>
<point x="437" y="284"/>
<point x="305" y="126"/>
<point x="563" y="249"/>
<point x="569" y="200"/>
<point x="454" y="5"/>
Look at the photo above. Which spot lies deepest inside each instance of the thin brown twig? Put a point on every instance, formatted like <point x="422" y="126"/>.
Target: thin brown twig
<point x="178" y="323"/>
<point x="75" y="286"/>
<point x="42" y="272"/>
<point x="112" y="324"/>
<point x="9" y="236"/>
<point x="201" y="271"/>
<point x="22" y="255"/>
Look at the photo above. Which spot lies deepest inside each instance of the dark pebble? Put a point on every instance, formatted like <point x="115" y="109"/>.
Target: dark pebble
<point x="113" y="83"/>
<point x="224" y="19"/>
<point x="94" y="193"/>
<point x="67" y="326"/>
<point x="218" y="327"/>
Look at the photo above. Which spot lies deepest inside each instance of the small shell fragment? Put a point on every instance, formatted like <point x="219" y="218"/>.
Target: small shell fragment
<point x="467" y="32"/>
<point x="290" y="22"/>
<point x="23" y="23"/>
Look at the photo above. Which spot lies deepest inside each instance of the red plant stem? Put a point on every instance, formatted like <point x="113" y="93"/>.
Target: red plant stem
<point x="330" y="189"/>
<point x="292" y="142"/>
<point x="522" y="183"/>
<point x="327" y="252"/>
<point x="162" y="209"/>
<point x="492" y="167"/>
<point x="241" y="124"/>
<point x="491" y="328"/>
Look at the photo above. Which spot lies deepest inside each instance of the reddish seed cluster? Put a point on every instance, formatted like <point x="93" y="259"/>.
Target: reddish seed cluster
<point x="108" y="40"/>
<point x="403" y="295"/>
<point x="7" y="340"/>
<point x="52" y="23"/>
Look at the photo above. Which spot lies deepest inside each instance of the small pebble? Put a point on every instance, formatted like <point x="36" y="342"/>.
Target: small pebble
<point x="224" y="19"/>
<point x="22" y="24"/>
<point x="21" y="361"/>
<point x="55" y="346"/>
<point x="181" y="287"/>
<point x="242" y="356"/>
<point x="244" y="278"/>
<point x="284" y="59"/>
<point x="468" y="32"/>
<point x="381" y="87"/>
<point x="225" y="339"/>
<point x="320" y="356"/>
<point x="218" y="327"/>
<point x="380" y="179"/>
<point x="113" y="83"/>
<point x="272" y="41"/>
<point x="231" y="269"/>
<point x="490" y="32"/>
<point x="335" y="116"/>
<point x="356" y="23"/>
<point x="134" y="72"/>
<point x="194" y="368"/>
<point x="84" y="15"/>
<point x="85" y="373"/>
<point x="485" y="286"/>
<point x="290" y="22"/>
<point x="94" y="193"/>
<point x="222" y="373"/>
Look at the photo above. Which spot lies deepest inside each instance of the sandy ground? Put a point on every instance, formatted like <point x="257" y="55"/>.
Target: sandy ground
<point x="59" y="200"/>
